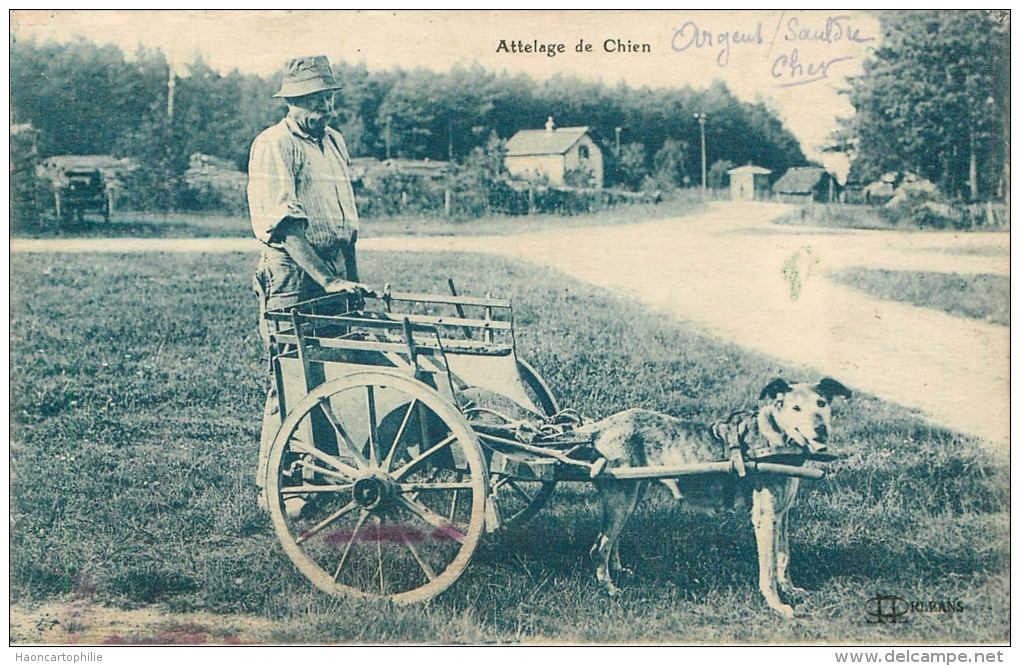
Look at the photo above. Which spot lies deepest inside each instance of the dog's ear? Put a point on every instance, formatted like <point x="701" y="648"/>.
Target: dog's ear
<point x="775" y="387"/>
<point x="830" y="388"/>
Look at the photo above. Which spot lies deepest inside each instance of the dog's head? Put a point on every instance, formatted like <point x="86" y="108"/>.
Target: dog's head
<point x="802" y="412"/>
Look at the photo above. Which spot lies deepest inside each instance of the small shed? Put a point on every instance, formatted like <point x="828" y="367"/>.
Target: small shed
<point x="749" y="182"/>
<point x="552" y="153"/>
<point x="807" y="184"/>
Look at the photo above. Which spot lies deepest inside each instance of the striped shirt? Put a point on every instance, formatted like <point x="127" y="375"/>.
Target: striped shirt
<point x="291" y="174"/>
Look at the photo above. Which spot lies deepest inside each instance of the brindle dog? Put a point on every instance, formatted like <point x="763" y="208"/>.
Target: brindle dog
<point x="792" y="415"/>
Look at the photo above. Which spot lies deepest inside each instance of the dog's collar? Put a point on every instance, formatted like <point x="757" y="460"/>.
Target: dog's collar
<point x="743" y="431"/>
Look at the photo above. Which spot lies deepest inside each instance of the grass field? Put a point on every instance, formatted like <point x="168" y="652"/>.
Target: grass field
<point x="857" y="216"/>
<point x="136" y="393"/>
<point x="194" y="225"/>
<point x="838" y="216"/>
<point x="984" y="297"/>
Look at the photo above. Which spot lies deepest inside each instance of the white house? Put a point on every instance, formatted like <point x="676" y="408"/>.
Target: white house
<point x="749" y="182"/>
<point x="550" y="153"/>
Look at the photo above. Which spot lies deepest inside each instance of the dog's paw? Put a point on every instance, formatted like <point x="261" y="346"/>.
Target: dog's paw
<point x="608" y="588"/>
<point x="792" y="592"/>
<point x="620" y="569"/>
<point x="785" y="610"/>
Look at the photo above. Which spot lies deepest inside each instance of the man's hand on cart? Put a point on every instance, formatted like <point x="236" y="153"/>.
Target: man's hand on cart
<point x="341" y="286"/>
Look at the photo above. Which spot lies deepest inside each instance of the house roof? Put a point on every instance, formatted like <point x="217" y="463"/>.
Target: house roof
<point x="544" y="142"/>
<point x="799" y="180"/>
<point x="749" y="168"/>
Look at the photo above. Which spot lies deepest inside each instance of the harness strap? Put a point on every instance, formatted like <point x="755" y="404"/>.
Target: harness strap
<point x="527" y="431"/>
<point x="732" y="433"/>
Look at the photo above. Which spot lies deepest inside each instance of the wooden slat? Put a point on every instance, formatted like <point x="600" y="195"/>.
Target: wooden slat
<point x="429" y="321"/>
<point x="410" y="297"/>
<point x="403" y="297"/>
<point x="424" y="346"/>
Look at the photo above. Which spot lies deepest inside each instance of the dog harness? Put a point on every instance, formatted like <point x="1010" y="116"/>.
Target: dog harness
<point x="742" y="438"/>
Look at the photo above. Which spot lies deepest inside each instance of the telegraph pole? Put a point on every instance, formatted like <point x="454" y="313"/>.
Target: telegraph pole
<point x="389" y="122"/>
<point x="171" y="85"/>
<point x="701" y="117"/>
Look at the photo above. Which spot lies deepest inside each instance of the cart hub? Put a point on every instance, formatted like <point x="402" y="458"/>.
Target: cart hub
<point x="374" y="489"/>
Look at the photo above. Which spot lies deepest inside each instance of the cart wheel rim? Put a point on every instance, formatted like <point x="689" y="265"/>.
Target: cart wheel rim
<point x="517" y="500"/>
<point x="396" y="510"/>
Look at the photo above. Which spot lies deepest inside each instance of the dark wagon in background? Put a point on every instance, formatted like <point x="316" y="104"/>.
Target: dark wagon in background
<point x="80" y="192"/>
<point x="84" y="187"/>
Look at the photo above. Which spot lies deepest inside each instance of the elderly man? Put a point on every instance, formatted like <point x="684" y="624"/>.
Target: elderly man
<point x="302" y="208"/>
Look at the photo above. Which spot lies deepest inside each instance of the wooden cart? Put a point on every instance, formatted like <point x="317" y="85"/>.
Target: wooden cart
<point x="411" y="427"/>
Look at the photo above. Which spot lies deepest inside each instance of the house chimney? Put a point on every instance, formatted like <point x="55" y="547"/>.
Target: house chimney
<point x="549" y="124"/>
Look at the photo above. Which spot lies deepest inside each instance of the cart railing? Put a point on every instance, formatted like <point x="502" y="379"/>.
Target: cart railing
<point x="447" y="341"/>
<point x="342" y="321"/>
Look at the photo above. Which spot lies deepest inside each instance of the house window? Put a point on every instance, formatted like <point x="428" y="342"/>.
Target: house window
<point x="582" y="152"/>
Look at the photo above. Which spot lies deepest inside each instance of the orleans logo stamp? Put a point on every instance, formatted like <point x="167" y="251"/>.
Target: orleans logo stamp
<point x="891" y="609"/>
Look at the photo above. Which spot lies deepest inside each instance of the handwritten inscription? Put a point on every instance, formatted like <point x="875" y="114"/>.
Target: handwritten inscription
<point x="794" y="73"/>
<point x="790" y="67"/>
<point x="690" y="36"/>
<point x="836" y="28"/>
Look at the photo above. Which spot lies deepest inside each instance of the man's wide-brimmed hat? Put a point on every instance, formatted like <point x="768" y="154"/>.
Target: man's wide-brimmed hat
<point x="306" y="75"/>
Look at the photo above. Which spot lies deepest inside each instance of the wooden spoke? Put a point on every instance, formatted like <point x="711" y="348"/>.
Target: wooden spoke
<point x="348" y="471"/>
<point x="378" y="552"/>
<point x="400" y="432"/>
<point x="310" y="489"/>
<point x="416" y="554"/>
<point x="350" y="541"/>
<point x="520" y="491"/>
<point x="373" y="434"/>
<point x="341" y="433"/>
<point x="453" y="503"/>
<point x="403" y="471"/>
<point x="442" y="485"/>
<point x="339" y="513"/>
<point x="324" y="471"/>
<point x="432" y="476"/>
<point x="444" y="526"/>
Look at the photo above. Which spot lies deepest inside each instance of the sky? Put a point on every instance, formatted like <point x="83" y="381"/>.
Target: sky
<point x="796" y="61"/>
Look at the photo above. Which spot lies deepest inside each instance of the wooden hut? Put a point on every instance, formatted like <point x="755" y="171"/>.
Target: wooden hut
<point x="749" y="182"/>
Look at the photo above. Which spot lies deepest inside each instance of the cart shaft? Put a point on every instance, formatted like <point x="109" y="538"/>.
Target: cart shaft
<point x="673" y="471"/>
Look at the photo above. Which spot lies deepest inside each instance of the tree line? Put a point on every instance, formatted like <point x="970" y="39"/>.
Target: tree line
<point x="84" y="98"/>
<point x="934" y="100"/>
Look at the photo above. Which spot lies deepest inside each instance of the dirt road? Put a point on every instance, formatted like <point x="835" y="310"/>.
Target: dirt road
<point x="766" y="288"/>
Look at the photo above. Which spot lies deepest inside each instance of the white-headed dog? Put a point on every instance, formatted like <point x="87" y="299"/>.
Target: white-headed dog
<point x="792" y="417"/>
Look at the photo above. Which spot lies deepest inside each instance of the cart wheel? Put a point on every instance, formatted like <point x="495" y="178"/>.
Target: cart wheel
<point x="391" y="500"/>
<point x="541" y="393"/>
<point x="517" y="499"/>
